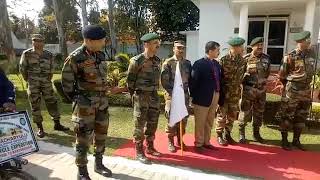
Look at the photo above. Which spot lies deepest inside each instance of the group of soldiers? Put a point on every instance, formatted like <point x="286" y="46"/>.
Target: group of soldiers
<point x="84" y="83"/>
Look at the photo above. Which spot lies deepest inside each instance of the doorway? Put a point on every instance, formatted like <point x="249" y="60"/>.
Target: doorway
<point x="274" y="30"/>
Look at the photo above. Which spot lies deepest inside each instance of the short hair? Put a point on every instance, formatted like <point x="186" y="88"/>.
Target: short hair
<point x="211" y="45"/>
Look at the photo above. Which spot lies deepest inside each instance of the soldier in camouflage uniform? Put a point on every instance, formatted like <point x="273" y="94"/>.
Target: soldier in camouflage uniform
<point x="36" y="67"/>
<point x="143" y="83"/>
<point x="296" y="75"/>
<point x="233" y="67"/>
<point x="254" y="89"/>
<point x="84" y="82"/>
<point x="167" y="81"/>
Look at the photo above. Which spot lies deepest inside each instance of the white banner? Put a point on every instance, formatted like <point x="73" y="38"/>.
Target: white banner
<point x="16" y="136"/>
<point x="178" y="109"/>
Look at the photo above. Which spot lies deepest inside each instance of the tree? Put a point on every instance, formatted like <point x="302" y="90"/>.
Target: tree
<point x="114" y="45"/>
<point x="172" y="16"/>
<point x="22" y="27"/>
<point x="71" y="21"/>
<point x="84" y="14"/>
<point x="6" y="45"/>
<point x="58" y="11"/>
<point x="133" y="19"/>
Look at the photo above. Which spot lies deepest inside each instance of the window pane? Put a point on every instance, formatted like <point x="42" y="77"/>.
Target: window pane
<point x="256" y="29"/>
<point x="276" y="55"/>
<point x="277" y="33"/>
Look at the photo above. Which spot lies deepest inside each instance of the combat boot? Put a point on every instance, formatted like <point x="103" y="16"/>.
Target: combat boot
<point x="242" y="133"/>
<point x="59" y="127"/>
<point x="151" y="150"/>
<point x="140" y="156"/>
<point x="83" y="173"/>
<point x="284" y="142"/>
<point x="296" y="139"/>
<point x="100" y="168"/>
<point x="229" y="138"/>
<point x="221" y="140"/>
<point x="40" y="132"/>
<point x="257" y="136"/>
<point x="171" y="147"/>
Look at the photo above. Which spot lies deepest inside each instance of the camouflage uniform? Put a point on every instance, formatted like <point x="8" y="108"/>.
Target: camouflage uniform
<point x="84" y="81"/>
<point x="297" y="69"/>
<point x="233" y="71"/>
<point x="143" y="81"/>
<point x="254" y="89"/>
<point x="167" y="81"/>
<point x="37" y="71"/>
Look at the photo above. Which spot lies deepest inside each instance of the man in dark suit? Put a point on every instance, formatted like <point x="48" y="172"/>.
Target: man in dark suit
<point x="205" y="92"/>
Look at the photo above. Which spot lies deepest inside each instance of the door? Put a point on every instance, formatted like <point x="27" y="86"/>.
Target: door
<point x="274" y="31"/>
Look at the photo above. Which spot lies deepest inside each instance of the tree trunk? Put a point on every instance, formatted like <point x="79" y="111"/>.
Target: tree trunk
<point x="113" y="37"/>
<point x="6" y="45"/>
<point x="84" y="14"/>
<point x="59" y="21"/>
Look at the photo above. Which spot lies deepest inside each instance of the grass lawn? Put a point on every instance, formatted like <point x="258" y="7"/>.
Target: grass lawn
<point x="121" y="125"/>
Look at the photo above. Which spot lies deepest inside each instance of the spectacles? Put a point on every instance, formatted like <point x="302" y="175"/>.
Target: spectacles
<point x="37" y="40"/>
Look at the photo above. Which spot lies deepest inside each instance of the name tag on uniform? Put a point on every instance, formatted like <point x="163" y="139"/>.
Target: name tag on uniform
<point x="299" y="62"/>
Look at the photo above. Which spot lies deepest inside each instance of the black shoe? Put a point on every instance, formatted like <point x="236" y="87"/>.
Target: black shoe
<point x="242" y="139"/>
<point x="296" y="139"/>
<point x="151" y="150"/>
<point x="284" y="142"/>
<point x="83" y="173"/>
<point x="257" y="136"/>
<point x="296" y="143"/>
<point x="59" y="127"/>
<point x="40" y="132"/>
<point x="171" y="147"/>
<point x="199" y="150"/>
<point x="221" y="140"/>
<point x="229" y="138"/>
<point x="140" y="156"/>
<point x="209" y="146"/>
<point x="100" y="168"/>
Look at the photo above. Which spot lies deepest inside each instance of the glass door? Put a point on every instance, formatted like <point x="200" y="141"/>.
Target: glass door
<point x="274" y="30"/>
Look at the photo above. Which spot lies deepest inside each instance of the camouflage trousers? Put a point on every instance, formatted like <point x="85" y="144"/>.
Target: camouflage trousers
<point x="175" y="130"/>
<point x="252" y="104"/>
<point x="91" y="118"/>
<point x="37" y="91"/>
<point x="227" y="114"/>
<point x="146" y="110"/>
<point x="294" y="112"/>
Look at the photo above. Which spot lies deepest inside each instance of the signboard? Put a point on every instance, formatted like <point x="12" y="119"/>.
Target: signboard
<point x="16" y="136"/>
<point x="296" y="29"/>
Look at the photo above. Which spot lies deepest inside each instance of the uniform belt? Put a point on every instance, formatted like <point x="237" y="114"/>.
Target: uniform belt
<point x="144" y="92"/>
<point x="258" y="86"/>
<point x="299" y="86"/>
<point x="93" y="93"/>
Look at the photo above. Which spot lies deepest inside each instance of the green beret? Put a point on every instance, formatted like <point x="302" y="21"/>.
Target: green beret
<point x="37" y="37"/>
<point x="149" y="37"/>
<point x="256" y="41"/>
<point x="301" y="36"/>
<point x="237" y="41"/>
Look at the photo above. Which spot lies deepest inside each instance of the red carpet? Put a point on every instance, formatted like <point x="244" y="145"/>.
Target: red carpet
<point x="247" y="160"/>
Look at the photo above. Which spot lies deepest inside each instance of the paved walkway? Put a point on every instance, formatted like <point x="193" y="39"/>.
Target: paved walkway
<point x="56" y="162"/>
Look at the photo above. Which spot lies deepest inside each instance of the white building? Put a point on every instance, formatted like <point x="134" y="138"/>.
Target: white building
<point x="275" y="20"/>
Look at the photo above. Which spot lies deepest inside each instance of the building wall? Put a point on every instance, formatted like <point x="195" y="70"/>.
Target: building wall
<point x="192" y="53"/>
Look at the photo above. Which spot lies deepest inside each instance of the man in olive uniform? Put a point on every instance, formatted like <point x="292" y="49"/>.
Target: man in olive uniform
<point x="167" y="81"/>
<point x="233" y="69"/>
<point x="84" y="82"/>
<point x="254" y="89"/>
<point x="36" y="67"/>
<point x="296" y="75"/>
<point x="143" y="83"/>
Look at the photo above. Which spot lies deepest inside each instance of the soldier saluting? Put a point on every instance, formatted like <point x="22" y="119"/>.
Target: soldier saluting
<point x="84" y="82"/>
